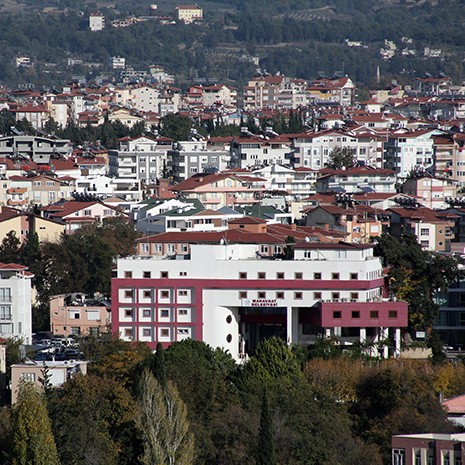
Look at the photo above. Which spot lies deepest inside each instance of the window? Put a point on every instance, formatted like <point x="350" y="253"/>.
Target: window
<point x="147" y="294"/>
<point x="353" y="275"/>
<point x="298" y="276"/>
<point x="279" y="275"/>
<point x="334" y="275"/>
<point x="182" y="293"/>
<point x="75" y="330"/>
<point x="74" y="315"/>
<point x="128" y="274"/>
<point x="392" y="313"/>
<point x="242" y="295"/>
<point x="242" y="275"/>
<point x="5" y="312"/>
<point x="446" y="458"/>
<point x="164" y="294"/>
<point x="374" y="314"/>
<point x="398" y="456"/>
<point x="262" y="295"/>
<point x="280" y="295"/>
<point x="424" y="231"/>
<point x="146" y="313"/>
<point x="165" y="313"/>
<point x="5" y="294"/>
<point x="261" y="275"/>
<point x="337" y="314"/>
<point x="163" y="274"/>
<point x="87" y="212"/>
<point x="418" y="457"/>
<point x="29" y="377"/>
<point x="298" y="295"/>
<point x="317" y="295"/>
<point x="182" y="311"/>
<point x="128" y="332"/>
<point x="165" y="332"/>
<point x="93" y="315"/>
<point x="183" y="273"/>
<point x="146" y="274"/>
<point x="316" y="275"/>
<point x="128" y="313"/>
<point x="146" y="332"/>
<point x="128" y="294"/>
<point x="335" y="295"/>
<point x="355" y="314"/>
<point x="183" y="331"/>
<point x="354" y="296"/>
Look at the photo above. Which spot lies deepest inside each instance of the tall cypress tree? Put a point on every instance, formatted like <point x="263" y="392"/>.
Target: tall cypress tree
<point x="265" y="452"/>
<point x="160" y="368"/>
<point x="33" y="441"/>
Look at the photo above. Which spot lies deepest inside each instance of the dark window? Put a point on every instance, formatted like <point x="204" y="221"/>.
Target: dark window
<point x="279" y="275"/>
<point x="261" y="295"/>
<point x="242" y="275"/>
<point x="353" y="275"/>
<point x="298" y="276"/>
<point x="392" y="313"/>
<point x="334" y="275"/>
<point x="337" y="314"/>
<point x="374" y="314"/>
<point x="280" y="295"/>
<point x="298" y="295"/>
<point x="261" y="275"/>
<point x="163" y="274"/>
<point x="317" y="295"/>
<point x="147" y="274"/>
<point x="242" y="295"/>
<point x="355" y="314"/>
<point x="316" y="275"/>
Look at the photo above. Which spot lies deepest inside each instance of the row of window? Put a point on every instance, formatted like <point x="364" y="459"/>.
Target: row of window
<point x="297" y="275"/>
<point x="297" y="295"/>
<point x="162" y="332"/>
<point x="355" y="314"/>
<point x="148" y="293"/>
<point x="148" y="312"/>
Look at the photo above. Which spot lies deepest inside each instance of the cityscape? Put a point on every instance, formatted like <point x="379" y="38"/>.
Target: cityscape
<point x="230" y="259"/>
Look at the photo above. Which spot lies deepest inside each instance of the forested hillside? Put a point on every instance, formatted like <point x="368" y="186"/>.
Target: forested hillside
<point x="298" y="38"/>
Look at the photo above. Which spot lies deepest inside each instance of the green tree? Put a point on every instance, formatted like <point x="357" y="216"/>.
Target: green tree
<point x="176" y="127"/>
<point x="32" y="441"/>
<point x="164" y="424"/>
<point x="10" y="248"/>
<point x="51" y="126"/>
<point x="265" y="451"/>
<point x="341" y="157"/>
<point x="94" y="422"/>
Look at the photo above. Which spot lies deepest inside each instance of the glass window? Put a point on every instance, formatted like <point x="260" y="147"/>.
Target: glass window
<point x="5" y="312"/>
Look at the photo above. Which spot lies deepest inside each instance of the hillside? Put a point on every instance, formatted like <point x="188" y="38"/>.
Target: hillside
<point x="299" y="38"/>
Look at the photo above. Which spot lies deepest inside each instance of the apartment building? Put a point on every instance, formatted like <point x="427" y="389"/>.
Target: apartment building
<point x="407" y="151"/>
<point x="15" y="302"/>
<point x="142" y="158"/>
<point x="78" y="314"/>
<point x="191" y="157"/>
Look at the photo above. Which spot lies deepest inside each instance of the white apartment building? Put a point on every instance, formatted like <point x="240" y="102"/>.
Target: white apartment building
<point x="15" y="302"/>
<point x="228" y="296"/>
<point x="255" y="151"/>
<point x="196" y="156"/>
<point x="407" y="151"/>
<point x="297" y="184"/>
<point x="142" y="158"/>
<point x="96" y="22"/>
<point x="312" y="150"/>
